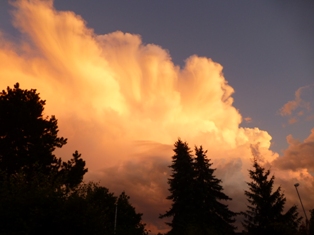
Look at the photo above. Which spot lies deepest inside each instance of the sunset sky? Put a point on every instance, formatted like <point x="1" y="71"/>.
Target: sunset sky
<point x="125" y="79"/>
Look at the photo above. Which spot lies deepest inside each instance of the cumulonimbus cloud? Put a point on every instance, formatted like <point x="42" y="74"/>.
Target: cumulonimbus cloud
<point x="123" y="104"/>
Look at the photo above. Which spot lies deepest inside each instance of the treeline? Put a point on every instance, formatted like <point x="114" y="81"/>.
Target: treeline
<point x="41" y="194"/>
<point x="197" y="200"/>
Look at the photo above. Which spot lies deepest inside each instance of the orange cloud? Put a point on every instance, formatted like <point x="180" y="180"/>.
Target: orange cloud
<point x="299" y="155"/>
<point x="123" y="104"/>
<point x="297" y="166"/>
<point x="292" y="105"/>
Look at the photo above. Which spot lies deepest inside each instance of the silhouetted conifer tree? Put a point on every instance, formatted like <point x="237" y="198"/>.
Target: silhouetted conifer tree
<point x="265" y="214"/>
<point x="182" y="186"/>
<point x="196" y="194"/>
<point x="214" y="217"/>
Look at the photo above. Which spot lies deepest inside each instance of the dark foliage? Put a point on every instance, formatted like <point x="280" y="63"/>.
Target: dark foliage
<point x="182" y="187"/>
<point x="214" y="217"/>
<point x="41" y="194"/>
<point x="39" y="209"/>
<point x="28" y="139"/>
<point x="264" y="213"/>
<point x="311" y="223"/>
<point x="29" y="207"/>
<point x="196" y="194"/>
<point x="128" y="221"/>
<point x="93" y="208"/>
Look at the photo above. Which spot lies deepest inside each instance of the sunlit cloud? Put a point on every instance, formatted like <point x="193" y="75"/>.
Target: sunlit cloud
<point x="123" y="104"/>
<point x="298" y="102"/>
<point x="299" y="155"/>
<point x="297" y="165"/>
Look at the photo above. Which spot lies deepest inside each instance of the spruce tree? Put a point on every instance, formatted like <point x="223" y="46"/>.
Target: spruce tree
<point x="182" y="186"/>
<point x="264" y="214"/>
<point x="214" y="217"/>
<point x="196" y="195"/>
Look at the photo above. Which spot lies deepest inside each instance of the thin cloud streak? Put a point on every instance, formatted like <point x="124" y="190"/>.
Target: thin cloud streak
<point x="123" y="104"/>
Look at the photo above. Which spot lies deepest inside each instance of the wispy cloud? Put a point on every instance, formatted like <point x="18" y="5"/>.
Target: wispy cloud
<point x="301" y="101"/>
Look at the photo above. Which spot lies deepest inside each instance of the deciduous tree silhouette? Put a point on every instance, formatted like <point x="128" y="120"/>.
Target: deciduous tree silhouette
<point x="34" y="207"/>
<point x="92" y="209"/>
<point x="40" y="209"/>
<point x="28" y="139"/>
<point x="41" y="194"/>
<point x="128" y="220"/>
<point x="264" y="214"/>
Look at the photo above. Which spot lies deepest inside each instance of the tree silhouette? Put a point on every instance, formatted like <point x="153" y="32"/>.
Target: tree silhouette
<point x="34" y="207"/>
<point x="182" y="187"/>
<point x="40" y="209"/>
<point x="97" y="210"/>
<point x="196" y="194"/>
<point x="128" y="221"/>
<point x="213" y="216"/>
<point x="28" y="139"/>
<point x="91" y="210"/>
<point x="264" y="214"/>
<point x="41" y="194"/>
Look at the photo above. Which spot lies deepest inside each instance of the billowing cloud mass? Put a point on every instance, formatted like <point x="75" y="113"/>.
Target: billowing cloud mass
<point x="123" y="104"/>
<point x="299" y="155"/>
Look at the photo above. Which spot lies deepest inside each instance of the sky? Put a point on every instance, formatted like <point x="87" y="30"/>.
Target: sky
<point x="125" y="79"/>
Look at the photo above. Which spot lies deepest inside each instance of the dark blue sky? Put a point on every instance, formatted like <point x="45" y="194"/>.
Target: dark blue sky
<point x="265" y="47"/>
